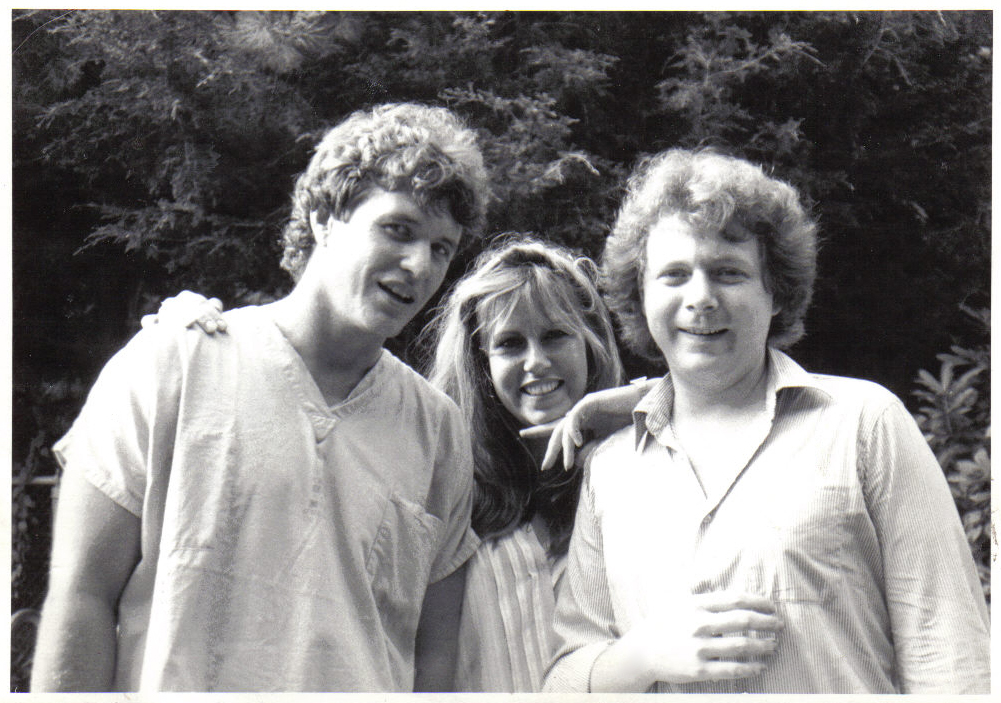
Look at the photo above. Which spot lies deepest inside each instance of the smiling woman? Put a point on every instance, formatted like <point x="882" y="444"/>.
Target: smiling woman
<point x="519" y="340"/>
<point x="537" y="359"/>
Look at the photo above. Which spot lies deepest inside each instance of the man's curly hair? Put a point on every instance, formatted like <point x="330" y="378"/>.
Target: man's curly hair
<point x="424" y="151"/>
<point x="713" y="193"/>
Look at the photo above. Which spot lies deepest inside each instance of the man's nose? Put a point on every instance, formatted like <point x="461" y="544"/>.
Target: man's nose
<point x="700" y="293"/>
<point x="417" y="258"/>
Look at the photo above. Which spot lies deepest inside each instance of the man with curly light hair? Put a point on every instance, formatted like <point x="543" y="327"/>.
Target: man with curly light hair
<point x="757" y="528"/>
<point x="715" y="193"/>
<point x="283" y="506"/>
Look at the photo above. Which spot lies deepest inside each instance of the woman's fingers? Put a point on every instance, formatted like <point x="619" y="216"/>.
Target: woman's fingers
<point x="211" y="319"/>
<point x="569" y="448"/>
<point x="564" y="438"/>
<point x="188" y="309"/>
<point x="538" y="431"/>
<point x="550" y="430"/>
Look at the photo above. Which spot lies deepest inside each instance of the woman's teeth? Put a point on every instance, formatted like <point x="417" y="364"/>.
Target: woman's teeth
<point x="540" y="387"/>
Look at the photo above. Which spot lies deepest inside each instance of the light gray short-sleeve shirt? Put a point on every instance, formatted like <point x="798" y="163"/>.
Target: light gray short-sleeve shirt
<point x="286" y="544"/>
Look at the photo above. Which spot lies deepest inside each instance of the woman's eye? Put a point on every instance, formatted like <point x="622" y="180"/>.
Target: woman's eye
<point x="507" y="343"/>
<point x="555" y="335"/>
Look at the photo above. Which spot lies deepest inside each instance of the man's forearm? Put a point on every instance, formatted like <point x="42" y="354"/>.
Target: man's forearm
<point x="437" y="635"/>
<point x="75" y="650"/>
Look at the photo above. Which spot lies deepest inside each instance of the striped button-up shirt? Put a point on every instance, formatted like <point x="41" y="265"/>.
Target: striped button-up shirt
<point x="842" y="517"/>
<point x="506" y="636"/>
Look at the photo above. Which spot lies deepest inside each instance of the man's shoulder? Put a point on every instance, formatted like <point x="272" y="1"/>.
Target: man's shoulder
<point x="415" y="387"/>
<point x="611" y="450"/>
<point x="848" y="391"/>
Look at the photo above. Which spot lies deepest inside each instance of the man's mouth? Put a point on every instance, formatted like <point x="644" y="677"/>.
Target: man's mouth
<point x="397" y="293"/>
<point x="707" y="332"/>
<point x="541" y="387"/>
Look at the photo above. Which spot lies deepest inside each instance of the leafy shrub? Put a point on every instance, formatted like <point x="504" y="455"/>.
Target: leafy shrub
<point x="955" y="418"/>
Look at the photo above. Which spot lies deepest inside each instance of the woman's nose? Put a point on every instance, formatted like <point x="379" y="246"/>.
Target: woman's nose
<point x="536" y="358"/>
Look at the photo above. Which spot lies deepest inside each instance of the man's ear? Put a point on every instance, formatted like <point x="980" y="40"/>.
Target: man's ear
<point x="319" y="229"/>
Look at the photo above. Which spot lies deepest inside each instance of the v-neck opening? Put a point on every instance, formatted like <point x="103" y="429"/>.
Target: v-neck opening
<point x="298" y="375"/>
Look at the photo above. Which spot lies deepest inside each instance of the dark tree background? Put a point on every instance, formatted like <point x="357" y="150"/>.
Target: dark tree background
<point x="156" y="151"/>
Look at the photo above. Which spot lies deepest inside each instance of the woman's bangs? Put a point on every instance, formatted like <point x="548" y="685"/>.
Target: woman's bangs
<point x="540" y="290"/>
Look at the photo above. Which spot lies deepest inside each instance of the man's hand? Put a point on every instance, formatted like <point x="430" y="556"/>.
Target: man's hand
<point x="711" y="637"/>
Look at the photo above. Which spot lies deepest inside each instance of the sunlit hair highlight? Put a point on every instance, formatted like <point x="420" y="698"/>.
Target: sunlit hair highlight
<point x="715" y="194"/>
<point x="520" y="268"/>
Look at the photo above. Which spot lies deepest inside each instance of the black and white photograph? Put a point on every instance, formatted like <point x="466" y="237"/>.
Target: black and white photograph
<point x="500" y="351"/>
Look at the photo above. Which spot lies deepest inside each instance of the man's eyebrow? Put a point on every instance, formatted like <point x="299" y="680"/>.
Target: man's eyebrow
<point x="730" y="259"/>
<point x="398" y="215"/>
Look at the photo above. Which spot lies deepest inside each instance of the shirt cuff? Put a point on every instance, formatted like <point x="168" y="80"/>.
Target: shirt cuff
<point x="90" y="469"/>
<point x="470" y="543"/>
<point x="572" y="673"/>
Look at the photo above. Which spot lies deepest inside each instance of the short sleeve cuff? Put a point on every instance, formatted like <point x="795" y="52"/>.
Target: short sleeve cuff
<point x="83" y="464"/>
<point x="469" y="544"/>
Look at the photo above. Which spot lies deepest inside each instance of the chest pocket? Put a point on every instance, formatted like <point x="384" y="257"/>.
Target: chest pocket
<point x="400" y="564"/>
<point x="809" y="539"/>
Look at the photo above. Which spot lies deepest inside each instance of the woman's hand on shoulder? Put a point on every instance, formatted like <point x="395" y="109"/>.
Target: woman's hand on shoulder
<point x="188" y="309"/>
<point x="595" y="416"/>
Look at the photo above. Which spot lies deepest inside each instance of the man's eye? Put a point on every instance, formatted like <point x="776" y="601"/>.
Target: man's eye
<point x="397" y="230"/>
<point x="731" y="274"/>
<point x="674" y="276"/>
<point x="443" y="251"/>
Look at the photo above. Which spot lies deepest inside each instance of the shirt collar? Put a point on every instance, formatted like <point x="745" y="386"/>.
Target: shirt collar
<point x="652" y="415"/>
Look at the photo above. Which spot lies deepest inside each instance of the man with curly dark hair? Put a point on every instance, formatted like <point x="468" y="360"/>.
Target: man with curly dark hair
<point x="282" y="507"/>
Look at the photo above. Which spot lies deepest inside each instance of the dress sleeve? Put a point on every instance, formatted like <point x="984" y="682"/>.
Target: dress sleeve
<point x="938" y="615"/>
<point x="453" y="482"/>
<point x="109" y="441"/>
<point x="585" y="619"/>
